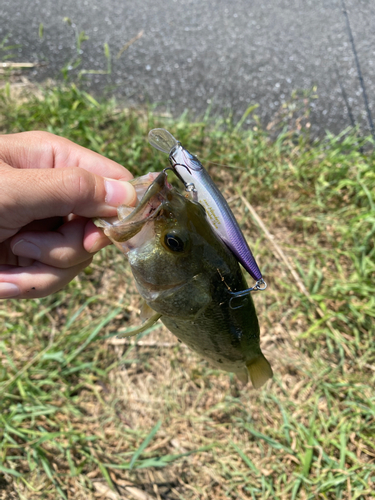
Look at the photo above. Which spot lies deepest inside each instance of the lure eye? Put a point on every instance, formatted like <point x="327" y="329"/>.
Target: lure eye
<point x="174" y="242"/>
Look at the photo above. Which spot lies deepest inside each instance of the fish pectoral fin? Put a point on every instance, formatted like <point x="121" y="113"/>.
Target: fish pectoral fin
<point x="146" y="312"/>
<point x="243" y="376"/>
<point x="144" y="326"/>
<point x="259" y="370"/>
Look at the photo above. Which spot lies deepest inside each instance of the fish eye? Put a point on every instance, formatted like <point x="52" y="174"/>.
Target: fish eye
<point x="174" y="242"/>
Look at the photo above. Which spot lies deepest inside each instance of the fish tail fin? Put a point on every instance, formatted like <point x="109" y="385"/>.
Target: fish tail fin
<point x="259" y="370"/>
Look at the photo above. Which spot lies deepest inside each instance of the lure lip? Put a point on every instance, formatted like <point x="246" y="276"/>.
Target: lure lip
<point x="196" y="178"/>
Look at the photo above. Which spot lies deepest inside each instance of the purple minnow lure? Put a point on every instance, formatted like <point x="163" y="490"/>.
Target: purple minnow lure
<point x="197" y="180"/>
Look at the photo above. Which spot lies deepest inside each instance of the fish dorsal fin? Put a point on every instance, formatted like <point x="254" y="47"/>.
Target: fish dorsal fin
<point x="259" y="370"/>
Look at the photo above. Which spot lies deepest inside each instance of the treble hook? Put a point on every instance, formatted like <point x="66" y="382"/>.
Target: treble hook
<point x="167" y="168"/>
<point x="259" y="285"/>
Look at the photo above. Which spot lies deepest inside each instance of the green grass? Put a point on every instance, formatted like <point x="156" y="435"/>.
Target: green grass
<point x="81" y="412"/>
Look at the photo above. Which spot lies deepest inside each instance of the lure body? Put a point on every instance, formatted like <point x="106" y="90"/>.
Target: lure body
<point x="196" y="178"/>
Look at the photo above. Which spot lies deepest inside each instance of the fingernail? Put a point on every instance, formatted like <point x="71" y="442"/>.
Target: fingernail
<point x="25" y="248"/>
<point x="119" y="193"/>
<point x="8" y="290"/>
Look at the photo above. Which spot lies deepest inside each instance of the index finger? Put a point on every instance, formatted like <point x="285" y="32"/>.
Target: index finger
<point x="45" y="150"/>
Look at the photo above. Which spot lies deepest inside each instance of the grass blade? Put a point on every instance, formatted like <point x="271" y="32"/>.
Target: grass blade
<point x="145" y="443"/>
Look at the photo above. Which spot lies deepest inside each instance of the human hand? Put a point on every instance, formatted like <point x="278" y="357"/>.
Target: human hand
<point x="44" y="180"/>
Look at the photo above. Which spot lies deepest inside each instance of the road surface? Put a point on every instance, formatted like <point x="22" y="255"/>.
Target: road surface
<point x="200" y="54"/>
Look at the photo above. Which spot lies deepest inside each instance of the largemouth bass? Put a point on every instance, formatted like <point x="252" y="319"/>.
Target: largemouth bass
<point x="188" y="277"/>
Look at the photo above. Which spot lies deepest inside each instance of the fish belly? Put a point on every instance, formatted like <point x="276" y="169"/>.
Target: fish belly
<point x="209" y="342"/>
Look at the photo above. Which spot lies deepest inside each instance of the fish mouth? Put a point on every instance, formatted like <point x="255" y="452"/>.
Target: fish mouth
<point x="128" y="225"/>
<point x="151" y="200"/>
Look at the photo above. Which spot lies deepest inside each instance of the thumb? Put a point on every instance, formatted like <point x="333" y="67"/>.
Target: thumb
<point x="34" y="194"/>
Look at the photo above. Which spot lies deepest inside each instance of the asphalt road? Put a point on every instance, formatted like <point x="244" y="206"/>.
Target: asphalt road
<point x="196" y="54"/>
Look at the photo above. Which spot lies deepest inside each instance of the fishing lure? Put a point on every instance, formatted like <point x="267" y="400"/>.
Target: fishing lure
<point x="198" y="182"/>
